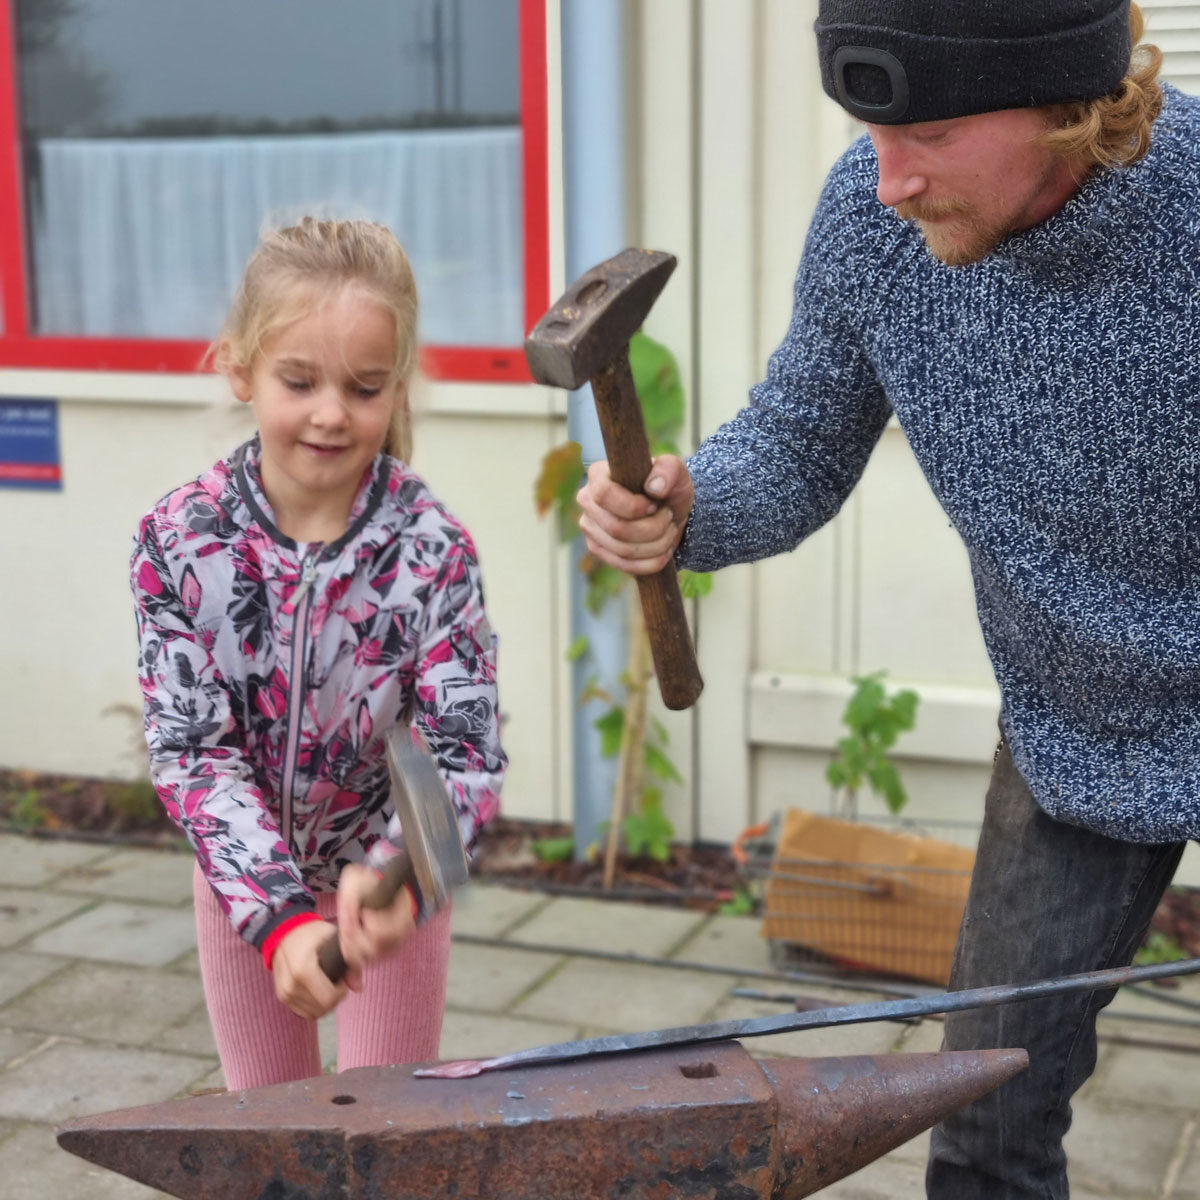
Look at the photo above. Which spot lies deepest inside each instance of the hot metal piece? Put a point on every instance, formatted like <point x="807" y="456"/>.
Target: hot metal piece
<point x="707" y="1123"/>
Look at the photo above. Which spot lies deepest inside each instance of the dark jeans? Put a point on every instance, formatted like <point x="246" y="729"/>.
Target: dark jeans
<point x="1046" y="899"/>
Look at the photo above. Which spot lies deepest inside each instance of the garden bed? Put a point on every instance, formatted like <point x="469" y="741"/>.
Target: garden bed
<point x="702" y="876"/>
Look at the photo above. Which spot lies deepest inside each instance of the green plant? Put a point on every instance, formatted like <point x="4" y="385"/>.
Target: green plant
<point x="28" y="812"/>
<point x="557" y="849"/>
<point x="136" y="802"/>
<point x="740" y="904"/>
<point x="875" y="719"/>
<point x="626" y="728"/>
<point x="1159" y="948"/>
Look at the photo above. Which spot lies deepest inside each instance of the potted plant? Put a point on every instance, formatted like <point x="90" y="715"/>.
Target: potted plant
<point x="867" y="895"/>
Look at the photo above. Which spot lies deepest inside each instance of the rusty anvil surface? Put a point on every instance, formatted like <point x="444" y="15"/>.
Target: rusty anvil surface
<point x="708" y="1123"/>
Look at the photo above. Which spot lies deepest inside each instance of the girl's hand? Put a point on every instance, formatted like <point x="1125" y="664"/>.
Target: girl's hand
<point x="369" y="933"/>
<point x="299" y="981"/>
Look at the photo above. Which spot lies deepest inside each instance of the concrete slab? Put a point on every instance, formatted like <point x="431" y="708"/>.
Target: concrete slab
<point x="1126" y="1151"/>
<point x="20" y="969"/>
<point x="16" y="1043"/>
<point x="1188" y="1185"/>
<point x="25" y="913"/>
<point x="923" y="1038"/>
<point x="33" y="1167"/>
<point x="492" y="979"/>
<point x="101" y="1002"/>
<point x="69" y="1079"/>
<point x="624" y="999"/>
<point x="608" y="925"/>
<point x="475" y="1035"/>
<point x="190" y="1034"/>
<point x="32" y="861"/>
<point x="729" y="942"/>
<point x="1141" y="1077"/>
<point x="144" y="876"/>
<point x="141" y="934"/>
<point x="485" y="910"/>
<point x="888" y="1178"/>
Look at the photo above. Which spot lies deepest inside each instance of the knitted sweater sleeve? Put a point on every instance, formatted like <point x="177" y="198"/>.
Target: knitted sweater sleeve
<point x="198" y="762"/>
<point x="783" y="466"/>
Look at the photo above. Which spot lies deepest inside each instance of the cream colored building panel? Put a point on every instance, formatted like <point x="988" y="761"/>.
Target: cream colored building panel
<point x="483" y="468"/>
<point x="70" y="701"/>
<point x="727" y="173"/>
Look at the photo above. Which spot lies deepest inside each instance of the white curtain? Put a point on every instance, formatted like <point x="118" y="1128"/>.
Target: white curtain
<point x="147" y="238"/>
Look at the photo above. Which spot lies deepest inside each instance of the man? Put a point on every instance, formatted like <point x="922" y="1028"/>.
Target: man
<point x="1009" y="263"/>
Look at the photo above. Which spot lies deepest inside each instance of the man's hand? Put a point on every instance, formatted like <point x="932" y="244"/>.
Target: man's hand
<point x="369" y="933"/>
<point x="637" y="534"/>
<point x="299" y="981"/>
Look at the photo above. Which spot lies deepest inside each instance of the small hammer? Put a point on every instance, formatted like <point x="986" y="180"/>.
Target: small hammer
<point x="432" y="862"/>
<point x="585" y="336"/>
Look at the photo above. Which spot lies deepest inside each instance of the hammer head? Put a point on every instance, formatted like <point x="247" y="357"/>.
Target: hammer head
<point x="595" y="318"/>
<point x="428" y="820"/>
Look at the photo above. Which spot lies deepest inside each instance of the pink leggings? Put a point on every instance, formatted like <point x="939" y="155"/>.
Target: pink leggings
<point x="396" y="1018"/>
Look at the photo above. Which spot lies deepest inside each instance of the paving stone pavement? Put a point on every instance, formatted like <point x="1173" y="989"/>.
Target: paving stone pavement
<point x="101" y="1008"/>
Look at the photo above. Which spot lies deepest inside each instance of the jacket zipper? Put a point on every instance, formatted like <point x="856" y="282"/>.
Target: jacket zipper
<point x="299" y="606"/>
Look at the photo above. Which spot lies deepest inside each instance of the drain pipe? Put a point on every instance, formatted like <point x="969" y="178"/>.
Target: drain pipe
<point x="594" y="183"/>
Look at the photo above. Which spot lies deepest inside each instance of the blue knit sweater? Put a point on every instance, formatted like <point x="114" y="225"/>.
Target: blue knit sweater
<point x="1051" y="395"/>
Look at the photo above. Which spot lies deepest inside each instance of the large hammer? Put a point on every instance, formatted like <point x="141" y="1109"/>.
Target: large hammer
<point x="432" y="860"/>
<point x="585" y="336"/>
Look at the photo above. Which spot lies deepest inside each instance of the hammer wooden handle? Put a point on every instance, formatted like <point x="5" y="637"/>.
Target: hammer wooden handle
<point x="395" y="874"/>
<point x="629" y="463"/>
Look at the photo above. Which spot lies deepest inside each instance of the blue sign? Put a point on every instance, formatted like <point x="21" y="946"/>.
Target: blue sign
<point x="29" y="455"/>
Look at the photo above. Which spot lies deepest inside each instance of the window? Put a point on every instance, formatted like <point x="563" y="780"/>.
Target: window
<point x="145" y="143"/>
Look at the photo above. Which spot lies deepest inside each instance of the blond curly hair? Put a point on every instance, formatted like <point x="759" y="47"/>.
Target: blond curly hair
<point x="1114" y="130"/>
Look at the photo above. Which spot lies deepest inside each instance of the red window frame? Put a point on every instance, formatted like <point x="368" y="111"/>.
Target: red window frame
<point x="19" y="347"/>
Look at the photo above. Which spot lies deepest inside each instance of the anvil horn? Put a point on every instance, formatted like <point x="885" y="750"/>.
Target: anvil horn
<point x="705" y="1122"/>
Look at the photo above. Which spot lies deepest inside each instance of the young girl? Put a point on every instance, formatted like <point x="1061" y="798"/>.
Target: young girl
<point x="294" y="603"/>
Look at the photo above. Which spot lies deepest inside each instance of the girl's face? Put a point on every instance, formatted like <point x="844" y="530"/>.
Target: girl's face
<point x="324" y="394"/>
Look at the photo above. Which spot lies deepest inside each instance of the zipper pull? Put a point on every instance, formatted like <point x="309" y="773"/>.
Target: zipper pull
<point x="308" y="576"/>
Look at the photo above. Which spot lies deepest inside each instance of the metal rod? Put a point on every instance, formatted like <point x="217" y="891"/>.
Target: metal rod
<point x="985" y="997"/>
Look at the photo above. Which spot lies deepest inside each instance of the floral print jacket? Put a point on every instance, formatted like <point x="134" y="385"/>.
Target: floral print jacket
<point x="271" y="671"/>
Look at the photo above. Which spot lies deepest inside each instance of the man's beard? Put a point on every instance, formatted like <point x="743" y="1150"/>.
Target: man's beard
<point x="953" y="230"/>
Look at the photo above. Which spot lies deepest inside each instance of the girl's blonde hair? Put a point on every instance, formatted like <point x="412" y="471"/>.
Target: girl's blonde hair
<point x="293" y="267"/>
<point x="1114" y="131"/>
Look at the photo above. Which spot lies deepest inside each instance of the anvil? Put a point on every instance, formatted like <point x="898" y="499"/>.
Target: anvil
<point x="707" y="1123"/>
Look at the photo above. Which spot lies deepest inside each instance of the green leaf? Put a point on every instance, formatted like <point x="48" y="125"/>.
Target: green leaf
<point x="656" y="380"/>
<point x="695" y="583"/>
<point x="661" y="765"/>
<point x="741" y="905"/>
<point x="556" y="485"/>
<point x="603" y="582"/>
<point x="610" y="726"/>
<point x="578" y="648"/>
<point x="557" y="849"/>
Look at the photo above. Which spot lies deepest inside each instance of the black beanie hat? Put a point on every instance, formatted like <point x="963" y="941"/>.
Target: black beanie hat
<point x="892" y="62"/>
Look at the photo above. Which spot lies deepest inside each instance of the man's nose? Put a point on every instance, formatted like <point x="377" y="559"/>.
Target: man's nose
<point x="899" y="178"/>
